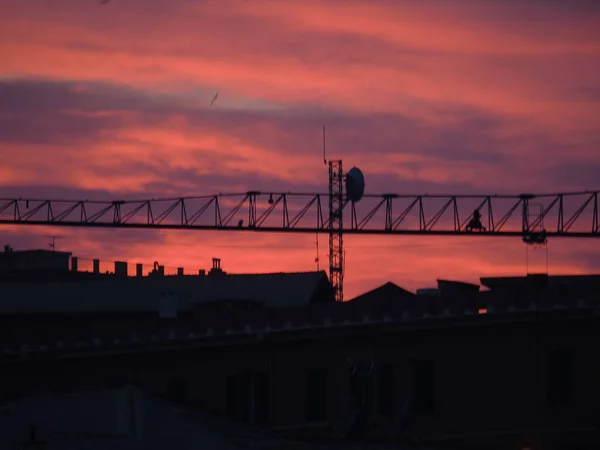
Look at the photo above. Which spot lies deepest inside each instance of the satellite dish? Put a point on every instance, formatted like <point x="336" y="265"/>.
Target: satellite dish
<point x="355" y="184"/>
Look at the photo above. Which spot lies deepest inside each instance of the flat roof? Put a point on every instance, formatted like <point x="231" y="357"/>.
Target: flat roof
<point x="34" y="252"/>
<point x="509" y="282"/>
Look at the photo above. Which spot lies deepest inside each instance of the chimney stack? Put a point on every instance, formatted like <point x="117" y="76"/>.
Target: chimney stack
<point x="157" y="270"/>
<point x="216" y="267"/>
<point x="96" y="266"/>
<point x="180" y="271"/>
<point x="139" y="270"/>
<point x="74" y="264"/>
<point x="121" y="268"/>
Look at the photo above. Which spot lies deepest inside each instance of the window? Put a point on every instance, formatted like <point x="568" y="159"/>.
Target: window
<point x="178" y="390"/>
<point x="560" y="377"/>
<point x="353" y="388"/>
<point x="247" y="397"/>
<point x="424" y="386"/>
<point x="385" y="390"/>
<point x="316" y="395"/>
<point x="261" y="398"/>
<point x="238" y="397"/>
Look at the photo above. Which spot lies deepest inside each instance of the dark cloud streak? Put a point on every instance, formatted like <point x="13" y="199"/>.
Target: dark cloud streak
<point x="41" y="112"/>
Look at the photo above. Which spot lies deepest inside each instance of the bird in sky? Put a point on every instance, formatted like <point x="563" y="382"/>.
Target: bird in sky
<point x="214" y="99"/>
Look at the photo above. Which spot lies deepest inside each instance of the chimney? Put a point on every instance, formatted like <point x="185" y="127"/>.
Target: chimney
<point x="121" y="268"/>
<point x="157" y="270"/>
<point x="202" y="272"/>
<point x="96" y="266"/>
<point x="216" y="267"/>
<point x="139" y="270"/>
<point x="180" y="271"/>
<point x="74" y="264"/>
<point x="7" y="249"/>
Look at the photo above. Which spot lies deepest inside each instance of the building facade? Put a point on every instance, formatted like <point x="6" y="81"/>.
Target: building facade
<point x="513" y="366"/>
<point x="508" y="374"/>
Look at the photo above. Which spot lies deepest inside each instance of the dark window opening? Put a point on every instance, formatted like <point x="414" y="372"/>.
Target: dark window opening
<point x="316" y="395"/>
<point x="178" y="390"/>
<point x="560" y="377"/>
<point x="247" y="398"/>
<point x="136" y="378"/>
<point x="385" y="390"/>
<point x="66" y="388"/>
<point x="423" y="386"/>
<point x="238" y="397"/>
<point x="353" y="388"/>
<point x="262" y="399"/>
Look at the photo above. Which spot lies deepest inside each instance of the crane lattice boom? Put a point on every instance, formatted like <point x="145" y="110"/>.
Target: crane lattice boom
<point x="531" y="217"/>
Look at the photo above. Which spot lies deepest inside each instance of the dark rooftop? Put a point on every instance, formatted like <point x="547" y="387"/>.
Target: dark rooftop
<point x="569" y="281"/>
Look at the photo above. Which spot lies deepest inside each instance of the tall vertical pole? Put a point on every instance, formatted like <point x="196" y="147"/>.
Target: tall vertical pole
<point x="336" y="226"/>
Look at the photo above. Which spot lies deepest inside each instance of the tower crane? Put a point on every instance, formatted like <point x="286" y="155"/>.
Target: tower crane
<point x="575" y="213"/>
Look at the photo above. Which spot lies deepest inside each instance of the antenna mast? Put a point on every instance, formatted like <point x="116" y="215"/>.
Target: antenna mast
<point x="324" y="158"/>
<point x="52" y="244"/>
<point x="317" y="258"/>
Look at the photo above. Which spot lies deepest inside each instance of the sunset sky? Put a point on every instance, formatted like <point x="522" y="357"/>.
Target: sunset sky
<point x="445" y="97"/>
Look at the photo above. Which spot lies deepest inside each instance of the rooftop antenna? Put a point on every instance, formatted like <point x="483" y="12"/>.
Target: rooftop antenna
<point x="324" y="158"/>
<point x="317" y="234"/>
<point x="317" y="258"/>
<point x="52" y="244"/>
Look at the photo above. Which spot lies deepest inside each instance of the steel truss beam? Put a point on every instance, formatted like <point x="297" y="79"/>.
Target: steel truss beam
<point x="572" y="214"/>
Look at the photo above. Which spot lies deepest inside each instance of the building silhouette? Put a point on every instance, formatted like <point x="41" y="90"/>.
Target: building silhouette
<point x="508" y="367"/>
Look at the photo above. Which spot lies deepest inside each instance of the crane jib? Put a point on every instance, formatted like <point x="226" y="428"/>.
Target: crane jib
<point x="531" y="217"/>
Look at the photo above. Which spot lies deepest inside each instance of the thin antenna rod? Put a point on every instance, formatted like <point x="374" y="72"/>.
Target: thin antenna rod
<point x="324" y="158"/>
<point x="52" y="244"/>
<point x="317" y="258"/>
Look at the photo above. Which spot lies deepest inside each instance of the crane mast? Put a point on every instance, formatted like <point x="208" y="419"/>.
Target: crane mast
<point x="336" y="228"/>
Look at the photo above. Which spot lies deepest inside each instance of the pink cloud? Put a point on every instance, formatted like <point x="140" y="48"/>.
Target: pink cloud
<point x="476" y="96"/>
